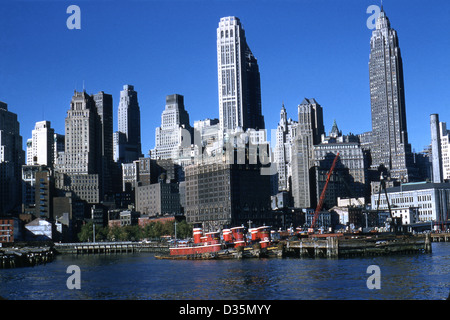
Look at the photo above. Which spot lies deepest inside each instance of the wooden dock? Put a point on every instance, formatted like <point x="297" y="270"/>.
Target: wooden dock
<point x="109" y="247"/>
<point x="440" y="237"/>
<point x="314" y="246"/>
<point x="25" y="257"/>
<point x="365" y="245"/>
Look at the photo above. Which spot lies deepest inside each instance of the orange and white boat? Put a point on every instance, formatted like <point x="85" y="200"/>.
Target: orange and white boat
<point x="208" y="243"/>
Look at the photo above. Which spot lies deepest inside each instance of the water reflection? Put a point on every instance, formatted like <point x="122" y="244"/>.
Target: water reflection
<point x="141" y="276"/>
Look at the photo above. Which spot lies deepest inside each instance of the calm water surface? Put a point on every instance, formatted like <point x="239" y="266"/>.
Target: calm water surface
<point x="141" y="276"/>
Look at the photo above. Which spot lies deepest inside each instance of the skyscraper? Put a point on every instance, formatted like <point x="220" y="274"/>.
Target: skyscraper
<point x="129" y="121"/>
<point x="174" y="129"/>
<point x="390" y="145"/>
<point x="286" y="130"/>
<point x="440" y="149"/>
<point x="40" y="148"/>
<point x="79" y="167"/>
<point x="12" y="157"/>
<point x="104" y="106"/>
<point x="238" y="79"/>
<point x="308" y="133"/>
<point x="81" y="143"/>
<point x="436" y="149"/>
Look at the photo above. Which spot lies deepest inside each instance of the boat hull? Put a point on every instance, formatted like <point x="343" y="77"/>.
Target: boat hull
<point x="202" y="249"/>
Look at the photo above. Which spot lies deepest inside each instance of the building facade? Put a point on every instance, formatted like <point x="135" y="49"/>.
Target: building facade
<point x="158" y="199"/>
<point x="350" y="175"/>
<point x="308" y="133"/>
<point x="219" y="194"/>
<point x="286" y="131"/>
<point x="174" y="137"/>
<point x="207" y="138"/>
<point x="440" y="150"/>
<point x="81" y="137"/>
<point x="44" y="193"/>
<point x="6" y="230"/>
<point x="41" y="146"/>
<point x="79" y="167"/>
<point x="432" y="200"/>
<point x="130" y="175"/>
<point x="390" y="145"/>
<point x="238" y="78"/>
<point x="12" y="157"/>
<point x="104" y="106"/>
<point x="129" y="123"/>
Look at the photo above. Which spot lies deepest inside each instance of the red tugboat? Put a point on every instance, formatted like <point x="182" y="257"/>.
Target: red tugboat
<point x="227" y="237"/>
<point x="238" y="236"/>
<point x="234" y="244"/>
<point x="264" y="236"/>
<point x="203" y="245"/>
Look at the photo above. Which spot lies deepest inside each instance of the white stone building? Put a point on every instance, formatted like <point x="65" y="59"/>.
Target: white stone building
<point x="432" y="200"/>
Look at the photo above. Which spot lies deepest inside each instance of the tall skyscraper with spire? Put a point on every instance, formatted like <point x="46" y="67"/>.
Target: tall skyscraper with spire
<point x="238" y="79"/>
<point x="286" y="131"/>
<point x="390" y="145"/>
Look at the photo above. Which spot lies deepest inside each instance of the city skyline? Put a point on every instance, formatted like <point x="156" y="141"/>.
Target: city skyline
<point x="289" y="71"/>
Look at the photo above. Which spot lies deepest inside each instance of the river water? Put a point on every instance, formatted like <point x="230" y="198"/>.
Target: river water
<point x="140" y="276"/>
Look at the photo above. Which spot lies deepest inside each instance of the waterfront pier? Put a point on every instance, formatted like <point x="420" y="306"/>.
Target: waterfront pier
<point x="337" y="246"/>
<point x="440" y="237"/>
<point x="25" y="257"/>
<point x="109" y="247"/>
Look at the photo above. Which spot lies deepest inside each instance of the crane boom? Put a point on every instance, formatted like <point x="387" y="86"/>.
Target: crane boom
<point x="322" y="196"/>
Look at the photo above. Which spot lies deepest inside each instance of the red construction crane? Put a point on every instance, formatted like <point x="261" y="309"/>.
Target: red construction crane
<point x="322" y="196"/>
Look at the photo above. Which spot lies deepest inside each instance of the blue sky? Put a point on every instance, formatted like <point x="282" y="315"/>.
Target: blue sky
<point x="305" y="48"/>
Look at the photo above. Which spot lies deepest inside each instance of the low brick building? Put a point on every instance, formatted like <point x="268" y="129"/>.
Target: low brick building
<point x="6" y="230"/>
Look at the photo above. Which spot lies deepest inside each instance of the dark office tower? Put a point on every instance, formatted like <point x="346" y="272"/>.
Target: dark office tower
<point x="44" y="194"/>
<point x="12" y="157"/>
<point x="219" y="194"/>
<point x="129" y="120"/>
<point x="238" y="79"/>
<point x="104" y="106"/>
<point x="390" y="145"/>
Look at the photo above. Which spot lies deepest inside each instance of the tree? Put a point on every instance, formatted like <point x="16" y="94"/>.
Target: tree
<point x="184" y="230"/>
<point x="114" y="233"/>
<point x="86" y="233"/>
<point x="133" y="233"/>
<point x="153" y="230"/>
<point x="101" y="234"/>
